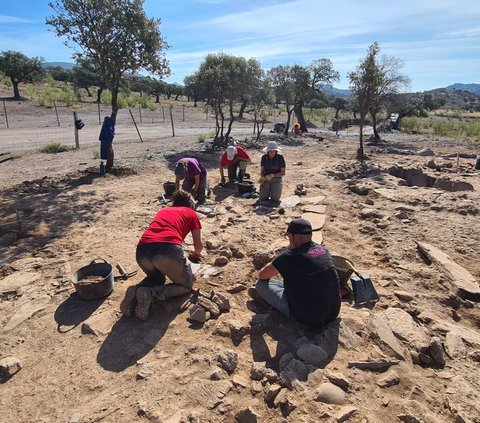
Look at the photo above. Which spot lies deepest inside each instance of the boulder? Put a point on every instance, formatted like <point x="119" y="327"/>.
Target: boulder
<point x="404" y="327"/>
<point x="8" y="367"/>
<point x="329" y="394"/>
<point x="381" y="332"/>
<point x="221" y="261"/>
<point x="247" y="415"/>
<point x="391" y="378"/>
<point x="454" y="346"/>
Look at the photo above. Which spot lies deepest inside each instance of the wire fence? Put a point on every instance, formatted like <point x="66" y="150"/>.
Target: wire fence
<point x="26" y="125"/>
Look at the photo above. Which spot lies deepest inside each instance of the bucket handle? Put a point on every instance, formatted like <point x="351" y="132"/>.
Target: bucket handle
<point x="99" y="258"/>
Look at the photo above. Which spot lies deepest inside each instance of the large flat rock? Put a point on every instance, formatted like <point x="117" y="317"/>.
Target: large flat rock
<point x="404" y="327"/>
<point x="316" y="219"/>
<point x="460" y="276"/>
<point x="26" y="311"/>
<point x="16" y="280"/>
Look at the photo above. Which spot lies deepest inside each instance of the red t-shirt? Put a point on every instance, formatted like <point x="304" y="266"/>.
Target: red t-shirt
<point x="241" y="154"/>
<point x="172" y="225"/>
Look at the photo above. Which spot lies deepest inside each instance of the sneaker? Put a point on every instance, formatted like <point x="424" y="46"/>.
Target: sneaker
<point x="254" y="295"/>
<point x="144" y="300"/>
<point x="129" y="301"/>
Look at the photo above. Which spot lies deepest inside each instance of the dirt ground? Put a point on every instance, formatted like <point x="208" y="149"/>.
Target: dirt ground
<point x="81" y="361"/>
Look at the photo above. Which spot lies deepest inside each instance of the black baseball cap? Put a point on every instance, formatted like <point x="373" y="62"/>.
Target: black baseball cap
<point x="299" y="227"/>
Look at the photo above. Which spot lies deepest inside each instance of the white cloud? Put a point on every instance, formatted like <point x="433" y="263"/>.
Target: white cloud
<point x="13" y="20"/>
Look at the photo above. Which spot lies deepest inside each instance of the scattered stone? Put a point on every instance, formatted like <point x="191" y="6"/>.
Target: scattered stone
<point x="237" y="330"/>
<point x="226" y="252"/>
<point x="359" y="189"/>
<point x="454" y="346"/>
<point x="26" y="311"/>
<point x="260" y="372"/>
<point x="373" y="365"/>
<point x="408" y="418"/>
<point x="369" y="213"/>
<point x="212" y="245"/>
<point x="247" y="415"/>
<point x="8" y="367"/>
<point x="284" y="360"/>
<point x="426" y="152"/>
<point x="221" y="301"/>
<point x="198" y="314"/>
<point x="144" y="410"/>
<point x="404" y="296"/>
<point x="345" y="413"/>
<point x="206" y="271"/>
<point x="75" y="418"/>
<point x="290" y="202"/>
<point x="144" y="374"/>
<point x="13" y="282"/>
<point x="272" y="392"/>
<point x="228" y="361"/>
<point x="261" y="258"/>
<point x="404" y="327"/>
<point x="436" y="351"/>
<point x="391" y="378"/>
<point x="312" y="354"/>
<point x="461" y="278"/>
<point x="221" y="261"/>
<point x="329" y="394"/>
<point x="338" y="379"/>
<point x="98" y="324"/>
<point x="381" y="332"/>
<point x="239" y="254"/>
<point x="238" y="287"/>
<point x="209" y="305"/>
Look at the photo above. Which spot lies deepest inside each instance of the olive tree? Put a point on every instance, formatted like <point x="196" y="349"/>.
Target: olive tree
<point x="371" y="83"/>
<point x="116" y="35"/>
<point x="222" y="78"/>
<point x="20" y="68"/>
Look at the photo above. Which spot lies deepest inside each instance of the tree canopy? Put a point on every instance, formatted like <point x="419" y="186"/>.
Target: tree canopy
<point x="20" y="68"/>
<point x="115" y="35"/>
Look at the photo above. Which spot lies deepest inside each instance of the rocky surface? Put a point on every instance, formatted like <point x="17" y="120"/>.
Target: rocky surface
<point x="413" y="357"/>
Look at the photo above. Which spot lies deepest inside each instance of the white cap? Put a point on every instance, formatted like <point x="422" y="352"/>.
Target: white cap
<point x="231" y="151"/>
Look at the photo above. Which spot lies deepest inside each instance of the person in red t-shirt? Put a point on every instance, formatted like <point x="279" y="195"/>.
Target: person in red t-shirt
<point x="160" y="254"/>
<point x="234" y="158"/>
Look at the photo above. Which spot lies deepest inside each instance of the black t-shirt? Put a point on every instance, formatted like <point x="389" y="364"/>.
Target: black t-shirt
<point x="272" y="165"/>
<point x="311" y="283"/>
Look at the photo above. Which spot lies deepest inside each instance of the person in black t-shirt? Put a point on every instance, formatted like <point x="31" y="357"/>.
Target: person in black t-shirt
<point x="272" y="169"/>
<point x="310" y="288"/>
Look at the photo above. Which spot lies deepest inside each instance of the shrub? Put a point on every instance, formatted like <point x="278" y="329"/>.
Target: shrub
<point x="202" y="137"/>
<point x="96" y="153"/>
<point x="410" y="124"/>
<point x="54" y="148"/>
<point x="446" y="129"/>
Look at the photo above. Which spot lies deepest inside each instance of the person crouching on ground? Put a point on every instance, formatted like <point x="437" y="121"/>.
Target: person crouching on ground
<point x="194" y="178"/>
<point x="272" y="169"/>
<point x="160" y="254"/>
<point x="234" y="158"/>
<point x="310" y="289"/>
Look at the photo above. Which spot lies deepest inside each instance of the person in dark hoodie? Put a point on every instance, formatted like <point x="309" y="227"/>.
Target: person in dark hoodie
<point x="106" y="139"/>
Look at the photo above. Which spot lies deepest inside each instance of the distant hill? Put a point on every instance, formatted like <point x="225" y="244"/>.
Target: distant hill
<point x="65" y="65"/>
<point x="470" y="88"/>
<point x="336" y="92"/>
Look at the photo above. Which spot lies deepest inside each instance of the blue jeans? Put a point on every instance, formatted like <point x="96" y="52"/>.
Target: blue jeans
<point x="273" y="292"/>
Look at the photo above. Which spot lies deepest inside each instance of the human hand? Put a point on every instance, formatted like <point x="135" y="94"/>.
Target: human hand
<point x="195" y="257"/>
<point x="261" y="180"/>
<point x="269" y="177"/>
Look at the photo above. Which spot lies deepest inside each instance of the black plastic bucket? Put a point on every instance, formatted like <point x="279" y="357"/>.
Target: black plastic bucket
<point x="245" y="187"/>
<point x="94" y="281"/>
<point x="169" y="188"/>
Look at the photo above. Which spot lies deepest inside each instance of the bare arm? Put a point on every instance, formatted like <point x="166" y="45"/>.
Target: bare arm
<point x="281" y="173"/>
<point x="267" y="271"/>
<point x="197" y="242"/>
<point x="197" y="185"/>
<point x="177" y="184"/>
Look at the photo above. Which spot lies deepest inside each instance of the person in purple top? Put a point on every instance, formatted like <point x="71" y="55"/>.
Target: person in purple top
<point x="194" y="178"/>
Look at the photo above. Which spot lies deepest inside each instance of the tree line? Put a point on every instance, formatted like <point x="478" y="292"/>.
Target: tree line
<point x="114" y="40"/>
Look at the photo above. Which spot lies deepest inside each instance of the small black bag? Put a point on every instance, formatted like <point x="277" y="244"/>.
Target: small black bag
<point x="79" y="124"/>
<point x="363" y="290"/>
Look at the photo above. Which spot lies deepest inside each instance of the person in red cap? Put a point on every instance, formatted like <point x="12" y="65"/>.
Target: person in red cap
<point x="234" y="158"/>
<point x="310" y="289"/>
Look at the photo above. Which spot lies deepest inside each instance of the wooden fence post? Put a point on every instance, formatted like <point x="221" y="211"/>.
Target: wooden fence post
<point x="171" y="120"/>
<point x="56" y="112"/>
<point x="99" y="119"/>
<point x="140" y="113"/>
<point x="183" y="111"/>
<point x="5" y="110"/>
<point x="135" y="123"/>
<point x="77" y="141"/>
<point x="163" y="113"/>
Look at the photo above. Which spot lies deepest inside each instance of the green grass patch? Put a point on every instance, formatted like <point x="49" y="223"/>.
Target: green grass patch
<point x="54" y="148"/>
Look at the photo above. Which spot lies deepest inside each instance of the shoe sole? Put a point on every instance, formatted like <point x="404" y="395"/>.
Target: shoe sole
<point x="129" y="301"/>
<point x="254" y="295"/>
<point x="144" y="300"/>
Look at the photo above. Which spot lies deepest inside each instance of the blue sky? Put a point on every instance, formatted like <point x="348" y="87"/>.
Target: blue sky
<point x="438" y="40"/>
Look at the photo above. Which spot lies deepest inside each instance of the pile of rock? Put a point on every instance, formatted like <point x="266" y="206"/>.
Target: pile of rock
<point x="208" y="305"/>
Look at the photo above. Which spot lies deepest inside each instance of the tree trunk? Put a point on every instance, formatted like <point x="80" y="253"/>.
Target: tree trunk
<point x="16" y="91"/>
<point x="242" y="109"/>
<point x="113" y="116"/>
<point x="232" y="118"/>
<point x="89" y="93"/>
<point x="360" y="152"/>
<point x="99" y="95"/>
<point x="299" y="115"/>
<point x="157" y="98"/>
<point x="376" y="135"/>
<point x="337" y="111"/>
<point x="289" y="115"/>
